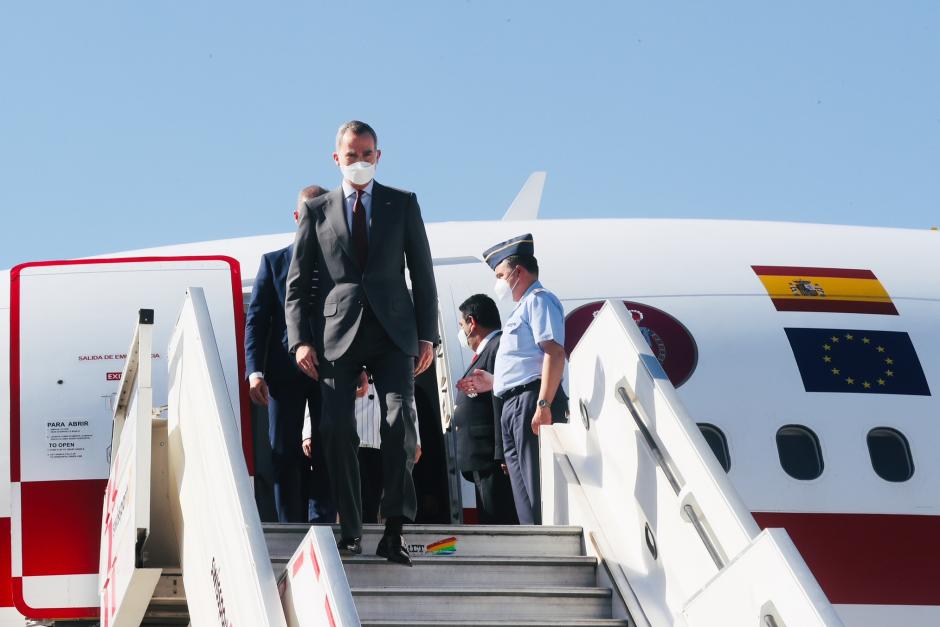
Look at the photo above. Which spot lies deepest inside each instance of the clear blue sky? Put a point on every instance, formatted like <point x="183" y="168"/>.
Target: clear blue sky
<point x="133" y="124"/>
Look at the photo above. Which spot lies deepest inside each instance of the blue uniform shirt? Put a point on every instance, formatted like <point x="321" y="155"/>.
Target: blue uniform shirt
<point x="538" y="317"/>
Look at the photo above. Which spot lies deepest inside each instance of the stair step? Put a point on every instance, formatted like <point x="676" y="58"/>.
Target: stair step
<point x="472" y="540"/>
<point x="165" y="619"/>
<point x="502" y="576"/>
<point x="168" y="604"/>
<point x="482" y="604"/>
<point x="508" y="572"/>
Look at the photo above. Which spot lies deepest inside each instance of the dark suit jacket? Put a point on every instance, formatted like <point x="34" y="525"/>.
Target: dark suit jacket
<point x="475" y="425"/>
<point x="266" y="348"/>
<point x="397" y="237"/>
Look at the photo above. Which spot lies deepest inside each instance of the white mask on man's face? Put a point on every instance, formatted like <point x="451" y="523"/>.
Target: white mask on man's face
<point x="503" y="289"/>
<point x="359" y="173"/>
<point x="463" y="340"/>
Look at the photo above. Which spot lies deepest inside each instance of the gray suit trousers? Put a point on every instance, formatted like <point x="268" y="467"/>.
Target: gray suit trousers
<point x="393" y="373"/>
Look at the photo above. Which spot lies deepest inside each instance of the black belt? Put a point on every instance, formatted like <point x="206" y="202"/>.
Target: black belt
<point x="531" y="386"/>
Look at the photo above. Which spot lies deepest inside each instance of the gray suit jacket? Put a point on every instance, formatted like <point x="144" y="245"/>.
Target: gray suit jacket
<point x="329" y="320"/>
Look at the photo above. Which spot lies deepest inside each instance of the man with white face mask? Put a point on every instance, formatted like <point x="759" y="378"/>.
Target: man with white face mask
<point x="529" y="368"/>
<point x="477" y="434"/>
<point x="360" y="237"/>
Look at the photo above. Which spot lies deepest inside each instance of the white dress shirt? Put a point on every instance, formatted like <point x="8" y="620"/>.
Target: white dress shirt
<point x="368" y="416"/>
<point x="485" y="341"/>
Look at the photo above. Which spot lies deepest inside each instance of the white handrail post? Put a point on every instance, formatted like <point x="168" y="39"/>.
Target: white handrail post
<point x="125" y="589"/>
<point x="314" y="588"/>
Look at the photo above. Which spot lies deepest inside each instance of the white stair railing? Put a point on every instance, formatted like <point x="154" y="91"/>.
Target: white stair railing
<point x="226" y="569"/>
<point x="125" y="589"/>
<point x="314" y="588"/>
<point x="633" y="468"/>
<point x="179" y="495"/>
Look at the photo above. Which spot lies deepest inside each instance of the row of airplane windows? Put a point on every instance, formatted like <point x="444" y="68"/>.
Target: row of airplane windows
<point x="801" y="456"/>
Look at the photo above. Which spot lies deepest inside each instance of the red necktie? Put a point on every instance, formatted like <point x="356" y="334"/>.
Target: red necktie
<point x="360" y="232"/>
<point x="474" y="360"/>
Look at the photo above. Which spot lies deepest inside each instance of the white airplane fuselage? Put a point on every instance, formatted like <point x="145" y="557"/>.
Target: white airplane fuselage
<point x="871" y="542"/>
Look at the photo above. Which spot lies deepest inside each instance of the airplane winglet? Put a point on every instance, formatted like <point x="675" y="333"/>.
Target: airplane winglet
<point x="527" y="202"/>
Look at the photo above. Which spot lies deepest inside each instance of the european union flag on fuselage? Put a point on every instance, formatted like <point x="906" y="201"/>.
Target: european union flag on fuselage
<point x="865" y="362"/>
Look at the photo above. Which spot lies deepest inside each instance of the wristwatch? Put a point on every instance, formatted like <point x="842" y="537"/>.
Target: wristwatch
<point x="544" y="403"/>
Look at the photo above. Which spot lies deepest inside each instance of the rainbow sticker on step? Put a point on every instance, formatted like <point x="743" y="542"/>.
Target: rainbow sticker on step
<point x="447" y="546"/>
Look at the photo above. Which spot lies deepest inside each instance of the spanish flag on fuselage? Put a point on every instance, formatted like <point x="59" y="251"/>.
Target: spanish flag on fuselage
<point x="841" y="290"/>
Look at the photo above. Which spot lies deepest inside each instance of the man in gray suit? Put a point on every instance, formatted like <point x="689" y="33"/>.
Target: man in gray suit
<point x="360" y="236"/>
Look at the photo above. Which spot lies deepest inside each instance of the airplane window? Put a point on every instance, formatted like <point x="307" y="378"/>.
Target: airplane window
<point x="800" y="454"/>
<point x="890" y="454"/>
<point x="718" y="443"/>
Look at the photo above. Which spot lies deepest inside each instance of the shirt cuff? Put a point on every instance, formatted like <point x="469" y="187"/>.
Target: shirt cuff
<point x="255" y="375"/>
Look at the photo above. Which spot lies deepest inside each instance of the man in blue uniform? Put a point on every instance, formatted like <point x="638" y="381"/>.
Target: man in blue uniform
<point x="529" y="368"/>
<point x="276" y="381"/>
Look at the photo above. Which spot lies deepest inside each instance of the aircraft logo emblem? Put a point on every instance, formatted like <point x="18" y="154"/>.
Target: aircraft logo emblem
<point x="671" y="343"/>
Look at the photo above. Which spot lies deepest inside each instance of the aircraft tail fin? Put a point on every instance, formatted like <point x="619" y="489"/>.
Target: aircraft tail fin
<point x="528" y="200"/>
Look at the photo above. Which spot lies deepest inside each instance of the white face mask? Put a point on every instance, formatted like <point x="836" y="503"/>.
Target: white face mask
<point x="359" y="173"/>
<point x="503" y="289"/>
<point x="462" y="340"/>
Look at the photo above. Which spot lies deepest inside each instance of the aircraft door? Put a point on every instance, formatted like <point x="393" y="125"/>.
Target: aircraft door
<point x="457" y="278"/>
<point x="70" y="323"/>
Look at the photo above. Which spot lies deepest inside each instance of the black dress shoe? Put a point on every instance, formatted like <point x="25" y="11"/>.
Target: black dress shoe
<point x="350" y="547"/>
<point x="393" y="549"/>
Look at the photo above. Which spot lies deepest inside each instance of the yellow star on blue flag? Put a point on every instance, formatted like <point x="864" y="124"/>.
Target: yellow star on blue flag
<point x="858" y="362"/>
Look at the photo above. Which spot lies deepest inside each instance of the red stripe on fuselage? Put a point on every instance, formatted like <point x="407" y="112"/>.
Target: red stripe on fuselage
<point x="876" y="559"/>
<point x="835" y="306"/>
<point x="836" y="273"/>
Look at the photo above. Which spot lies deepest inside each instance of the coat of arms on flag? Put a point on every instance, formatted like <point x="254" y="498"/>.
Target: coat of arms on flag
<point x="841" y="290"/>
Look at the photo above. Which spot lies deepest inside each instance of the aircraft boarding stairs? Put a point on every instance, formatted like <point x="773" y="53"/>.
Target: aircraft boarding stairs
<point x="646" y="529"/>
<point x="500" y="576"/>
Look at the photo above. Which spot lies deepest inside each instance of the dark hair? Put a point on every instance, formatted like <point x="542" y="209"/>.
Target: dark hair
<point x="528" y="262"/>
<point x="357" y="127"/>
<point x="310" y="192"/>
<point x="482" y="309"/>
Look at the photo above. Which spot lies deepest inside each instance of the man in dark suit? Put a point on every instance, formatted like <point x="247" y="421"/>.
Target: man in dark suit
<point x="477" y="432"/>
<point x="275" y="381"/>
<point x="360" y="236"/>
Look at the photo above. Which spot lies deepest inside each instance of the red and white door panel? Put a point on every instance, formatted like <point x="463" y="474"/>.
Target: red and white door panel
<point x="71" y="323"/>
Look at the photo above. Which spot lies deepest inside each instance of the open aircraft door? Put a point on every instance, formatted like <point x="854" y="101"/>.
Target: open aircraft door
<point x="457" y="278"/>
<point x="69" y="324"/>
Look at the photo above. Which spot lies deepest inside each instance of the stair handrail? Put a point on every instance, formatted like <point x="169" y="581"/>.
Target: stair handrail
<point x="613" y="366"/>
<point x="314" y="588"/>
<point x="226" y="567"/>
<point x="660" y="458"/>
<point x="125" y="587"/>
